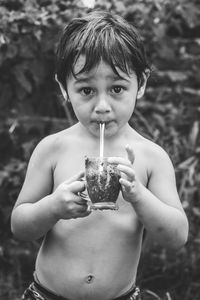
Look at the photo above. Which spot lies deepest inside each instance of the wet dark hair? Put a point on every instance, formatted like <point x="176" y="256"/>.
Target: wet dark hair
<point x="100" y="36"/>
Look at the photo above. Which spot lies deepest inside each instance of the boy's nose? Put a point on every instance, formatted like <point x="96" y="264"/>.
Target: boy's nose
<point x="102" y="105"/>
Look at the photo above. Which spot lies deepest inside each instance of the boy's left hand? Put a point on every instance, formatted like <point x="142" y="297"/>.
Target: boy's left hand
<point x="131" y="186"/>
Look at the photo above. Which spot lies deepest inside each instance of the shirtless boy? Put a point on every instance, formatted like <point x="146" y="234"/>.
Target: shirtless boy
<point x="102" y="70"/>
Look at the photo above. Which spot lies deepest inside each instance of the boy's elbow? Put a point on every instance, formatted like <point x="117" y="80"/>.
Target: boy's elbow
<point x="17" y="228"/>
<point x="14" y="228"/>
<point x="20" y="234"/>
<point x="176" y="236"/>
<point x="181" y="236"/>
<point x="184" y="234"/>
<point x="180" y="242"/>
<point x="15" y="232"/>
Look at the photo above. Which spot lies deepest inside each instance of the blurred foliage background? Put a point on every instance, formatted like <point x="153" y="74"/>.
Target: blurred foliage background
<point x="31" y="107"/>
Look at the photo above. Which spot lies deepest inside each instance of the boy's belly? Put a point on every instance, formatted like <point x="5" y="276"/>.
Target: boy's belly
<point x="91" y="258"/>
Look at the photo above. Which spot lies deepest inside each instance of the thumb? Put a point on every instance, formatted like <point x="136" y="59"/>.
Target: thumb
<point x="77" y="187"/>
<point x="130" y="153"/>
<point x="77" y="177"/>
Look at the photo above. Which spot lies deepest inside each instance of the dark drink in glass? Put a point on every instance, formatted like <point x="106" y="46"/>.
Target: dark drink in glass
<point x="102" y="182"/>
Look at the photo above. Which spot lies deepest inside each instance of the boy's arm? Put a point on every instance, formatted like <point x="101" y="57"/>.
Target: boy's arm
<point x="158" y="206"/>
<point x="37" y="210"/>
<point x="30" y="221"/>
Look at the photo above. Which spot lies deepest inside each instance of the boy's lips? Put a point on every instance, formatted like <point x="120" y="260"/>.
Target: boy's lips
<point x="102" y="121"/>
<point x="110" y="125"/>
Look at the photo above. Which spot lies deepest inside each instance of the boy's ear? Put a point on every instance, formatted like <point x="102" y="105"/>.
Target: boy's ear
<point x="142" y="88"/>
<point x="63" y="91"/>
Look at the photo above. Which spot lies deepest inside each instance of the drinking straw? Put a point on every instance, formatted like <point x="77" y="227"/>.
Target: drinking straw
<point x="102" y="128"/>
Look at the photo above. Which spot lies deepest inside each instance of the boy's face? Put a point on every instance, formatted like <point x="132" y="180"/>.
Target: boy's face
<point x="101" y="96"/>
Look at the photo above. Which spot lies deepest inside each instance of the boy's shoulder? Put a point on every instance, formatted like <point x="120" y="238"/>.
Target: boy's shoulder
<point x="158" y="161"/>
<point x="52" y="143"/>
<point x="153" y="148"/>
<point x="153" y="152"/>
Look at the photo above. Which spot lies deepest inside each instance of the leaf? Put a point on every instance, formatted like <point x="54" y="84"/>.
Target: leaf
<point x="196" y="211"/>
<point x="2" y="40"/>
<point x="37" y="71"/>
<point x="12" y="51"/>
<point x="25" y="51"/>
<point x="194" y="134"/>
<point x="160" y="31"/>
<point x="185" y="164"/>
<point x="174" y="76"/>
<point x="21" y="78"/>
<point x="189" y="13"/>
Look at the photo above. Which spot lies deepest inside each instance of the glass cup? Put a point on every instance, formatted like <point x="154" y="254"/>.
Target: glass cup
<point x="102" y="183"/>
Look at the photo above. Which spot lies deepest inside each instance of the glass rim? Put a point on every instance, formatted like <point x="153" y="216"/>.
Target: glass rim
<point x="98" y="157"/>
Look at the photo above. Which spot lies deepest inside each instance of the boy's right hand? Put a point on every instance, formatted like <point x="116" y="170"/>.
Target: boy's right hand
<point x="67" y="202"/>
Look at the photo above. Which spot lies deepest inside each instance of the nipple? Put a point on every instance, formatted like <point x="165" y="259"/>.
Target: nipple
<point x="89" y="278"/>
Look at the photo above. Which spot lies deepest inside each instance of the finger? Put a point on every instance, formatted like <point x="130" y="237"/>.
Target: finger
<point x="89" y="209"/>
<point x="76" y="177"/>
<point x="129" y="172"/>
<point x="126" y="185"/>
<point x="77" y="186"/>
<point x="119" y="160"/>
<point x="79" y="206"/>
<point x="82" y="202"/>
<point x="130" y="152"/>
<point x="81" y="213"/>
<point x="84" y="213"/>
<point x="84" y="195"/>
<point x="84" y="208"/>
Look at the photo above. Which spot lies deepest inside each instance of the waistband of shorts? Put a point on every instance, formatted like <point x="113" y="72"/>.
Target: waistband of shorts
<point x="47" y="293"/>
<point x="132" y="294"/>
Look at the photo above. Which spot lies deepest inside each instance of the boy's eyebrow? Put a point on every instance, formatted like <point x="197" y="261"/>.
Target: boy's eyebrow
<point x="118" y="77"/>
<point x="83" y="79"/>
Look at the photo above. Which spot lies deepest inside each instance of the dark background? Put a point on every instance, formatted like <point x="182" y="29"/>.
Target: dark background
<point x="31" y="107"/>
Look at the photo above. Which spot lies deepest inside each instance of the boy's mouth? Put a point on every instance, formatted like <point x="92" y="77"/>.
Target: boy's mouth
<point x="108" y="124"/>
<point x="103" y="121"/>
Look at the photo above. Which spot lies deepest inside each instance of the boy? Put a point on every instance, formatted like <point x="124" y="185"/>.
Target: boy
<point x="102" y="71"/>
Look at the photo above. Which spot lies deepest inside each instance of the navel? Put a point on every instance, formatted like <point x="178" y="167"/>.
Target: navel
<point x="89" y="278"/>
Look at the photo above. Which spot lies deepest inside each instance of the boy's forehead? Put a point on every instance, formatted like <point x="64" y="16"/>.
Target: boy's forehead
<point x="80" y="63"/>
<point x="78" y="66"/>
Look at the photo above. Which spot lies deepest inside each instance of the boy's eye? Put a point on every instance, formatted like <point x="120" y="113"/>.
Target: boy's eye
<point x="86" y="91"/>
<point x="117" y="89"/>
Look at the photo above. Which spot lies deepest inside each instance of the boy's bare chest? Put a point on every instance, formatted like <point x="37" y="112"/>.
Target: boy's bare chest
<point x="124" y="222"/>
<point x="72" y="161"/>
